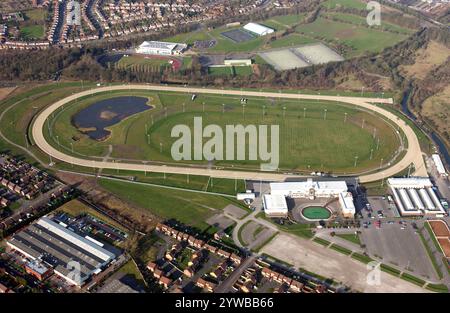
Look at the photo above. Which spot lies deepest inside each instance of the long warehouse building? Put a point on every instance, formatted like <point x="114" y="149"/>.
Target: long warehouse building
<point x="415" y="196"/>
<point x="72" y="256"/>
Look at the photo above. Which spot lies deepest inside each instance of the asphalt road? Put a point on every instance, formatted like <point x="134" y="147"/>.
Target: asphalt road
<point x="413" y="154"/>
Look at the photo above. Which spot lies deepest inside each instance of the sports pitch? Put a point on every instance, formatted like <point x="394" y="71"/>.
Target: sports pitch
<point x="302" y="56"/>
<point x="309" y="140"/>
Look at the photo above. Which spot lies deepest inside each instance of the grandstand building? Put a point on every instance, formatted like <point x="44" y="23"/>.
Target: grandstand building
<point x="71" y="256"/>
<point x="161" y="48"/>
<point x="415" y="196"/>
<point x="258" y="29"/>
<point x="275" y="204"/>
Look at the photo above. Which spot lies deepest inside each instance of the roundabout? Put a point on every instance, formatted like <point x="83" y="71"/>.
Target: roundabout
<point x="412" y="155"/>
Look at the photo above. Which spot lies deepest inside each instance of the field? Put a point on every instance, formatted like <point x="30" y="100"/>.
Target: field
<point x="187" y="207"/>
<point x="359" y="38"/>
<point x="230" y="70"/>
<point x="32" y="32"/>
<point x="307" y="140"/>
<point x="356" y="4"/>
<point x="331" y="28"/>
<point x="316" y="213"/>
<point x="139" y="63"/>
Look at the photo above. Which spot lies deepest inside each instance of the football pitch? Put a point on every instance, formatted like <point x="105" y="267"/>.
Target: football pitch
<point x="314" y="135"/>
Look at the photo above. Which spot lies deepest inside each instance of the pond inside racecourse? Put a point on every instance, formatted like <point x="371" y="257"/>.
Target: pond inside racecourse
<point x="93" y="119"/>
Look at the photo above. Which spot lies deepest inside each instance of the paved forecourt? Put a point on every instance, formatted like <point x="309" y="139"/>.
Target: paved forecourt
<point x="413" y="154"/>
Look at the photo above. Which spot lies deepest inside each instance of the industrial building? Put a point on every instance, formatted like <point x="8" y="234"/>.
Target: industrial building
<point x="275" y="204"/>
<point x="161" y="48"/>
<point x="258" y="29"/>
<point x="71" y="256"/>
<point x="439" y="165"/>
<point x="415" y="196"/>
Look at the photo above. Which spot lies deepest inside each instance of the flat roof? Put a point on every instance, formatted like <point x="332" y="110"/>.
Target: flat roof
<point x="439" y="165"/>
<point x="60" y="248"/>
<point x="275" y="204"/>
<point x="411" y="182"/>
<point x="306" y="185"/>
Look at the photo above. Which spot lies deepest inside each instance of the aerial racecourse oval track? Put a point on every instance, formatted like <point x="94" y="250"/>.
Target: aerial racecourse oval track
<point x="413" y="153"/>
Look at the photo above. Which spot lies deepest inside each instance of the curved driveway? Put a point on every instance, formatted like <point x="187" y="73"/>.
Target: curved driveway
<point x="413" y="155"/>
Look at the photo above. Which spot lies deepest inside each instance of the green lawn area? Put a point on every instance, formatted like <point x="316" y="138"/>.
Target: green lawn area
<point x="362" y="258"/>
<point x="360" y="38"/>
<point x="321" y="241"/>
<point x="390" y="270"/>
<point x="359" y="20"/>
<point x="140" y="63"/>
<point x="316" y="213"/>
<point x="221" y="70"/>
<point x="35" y="15"/>
<point x="437" y="288"/>
<point x="340" y="249"/>
<point x="32" y="32"/>
<point x="350" y="237"/>
<point x="130" y="268"/>
<point x="413" y="279"/>
<point x="356" y="4"/>
<point x="188" y="207"/>
<point x="290" y="40"/>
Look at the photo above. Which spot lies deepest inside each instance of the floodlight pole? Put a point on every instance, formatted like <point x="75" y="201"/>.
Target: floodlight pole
<point x="356" y="160"/>
<point x="362" y="125"/>
<point x="325" y="114"/>
<point x="223" y="108"/>
<point x="304" y="112"/>
<point x="345" y="117"/>
<point x="160" y="147"/>
<point x="381" y="163"/>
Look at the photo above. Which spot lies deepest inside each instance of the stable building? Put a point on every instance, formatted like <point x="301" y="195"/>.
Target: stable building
<point x="415" y="196"/>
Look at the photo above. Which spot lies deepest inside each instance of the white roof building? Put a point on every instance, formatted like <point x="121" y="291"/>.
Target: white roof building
<point x="275" y="205"/>
<point x="309" y="189"/>
<point x="439" y="165"/>
<point x="347" y="205"/>
<point x="161" y="48"/>
<point x="258" y="29"/>
<point x="415" y="196"/>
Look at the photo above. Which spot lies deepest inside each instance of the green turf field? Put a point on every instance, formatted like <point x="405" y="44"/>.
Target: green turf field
<point x="308" y="141"/>
<point x="360" y="38"/>
<point x="187" y="207"/>
<point x="355" y="4"/>
<point x="316" y="213"/>
<point x="32" y="32"/>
